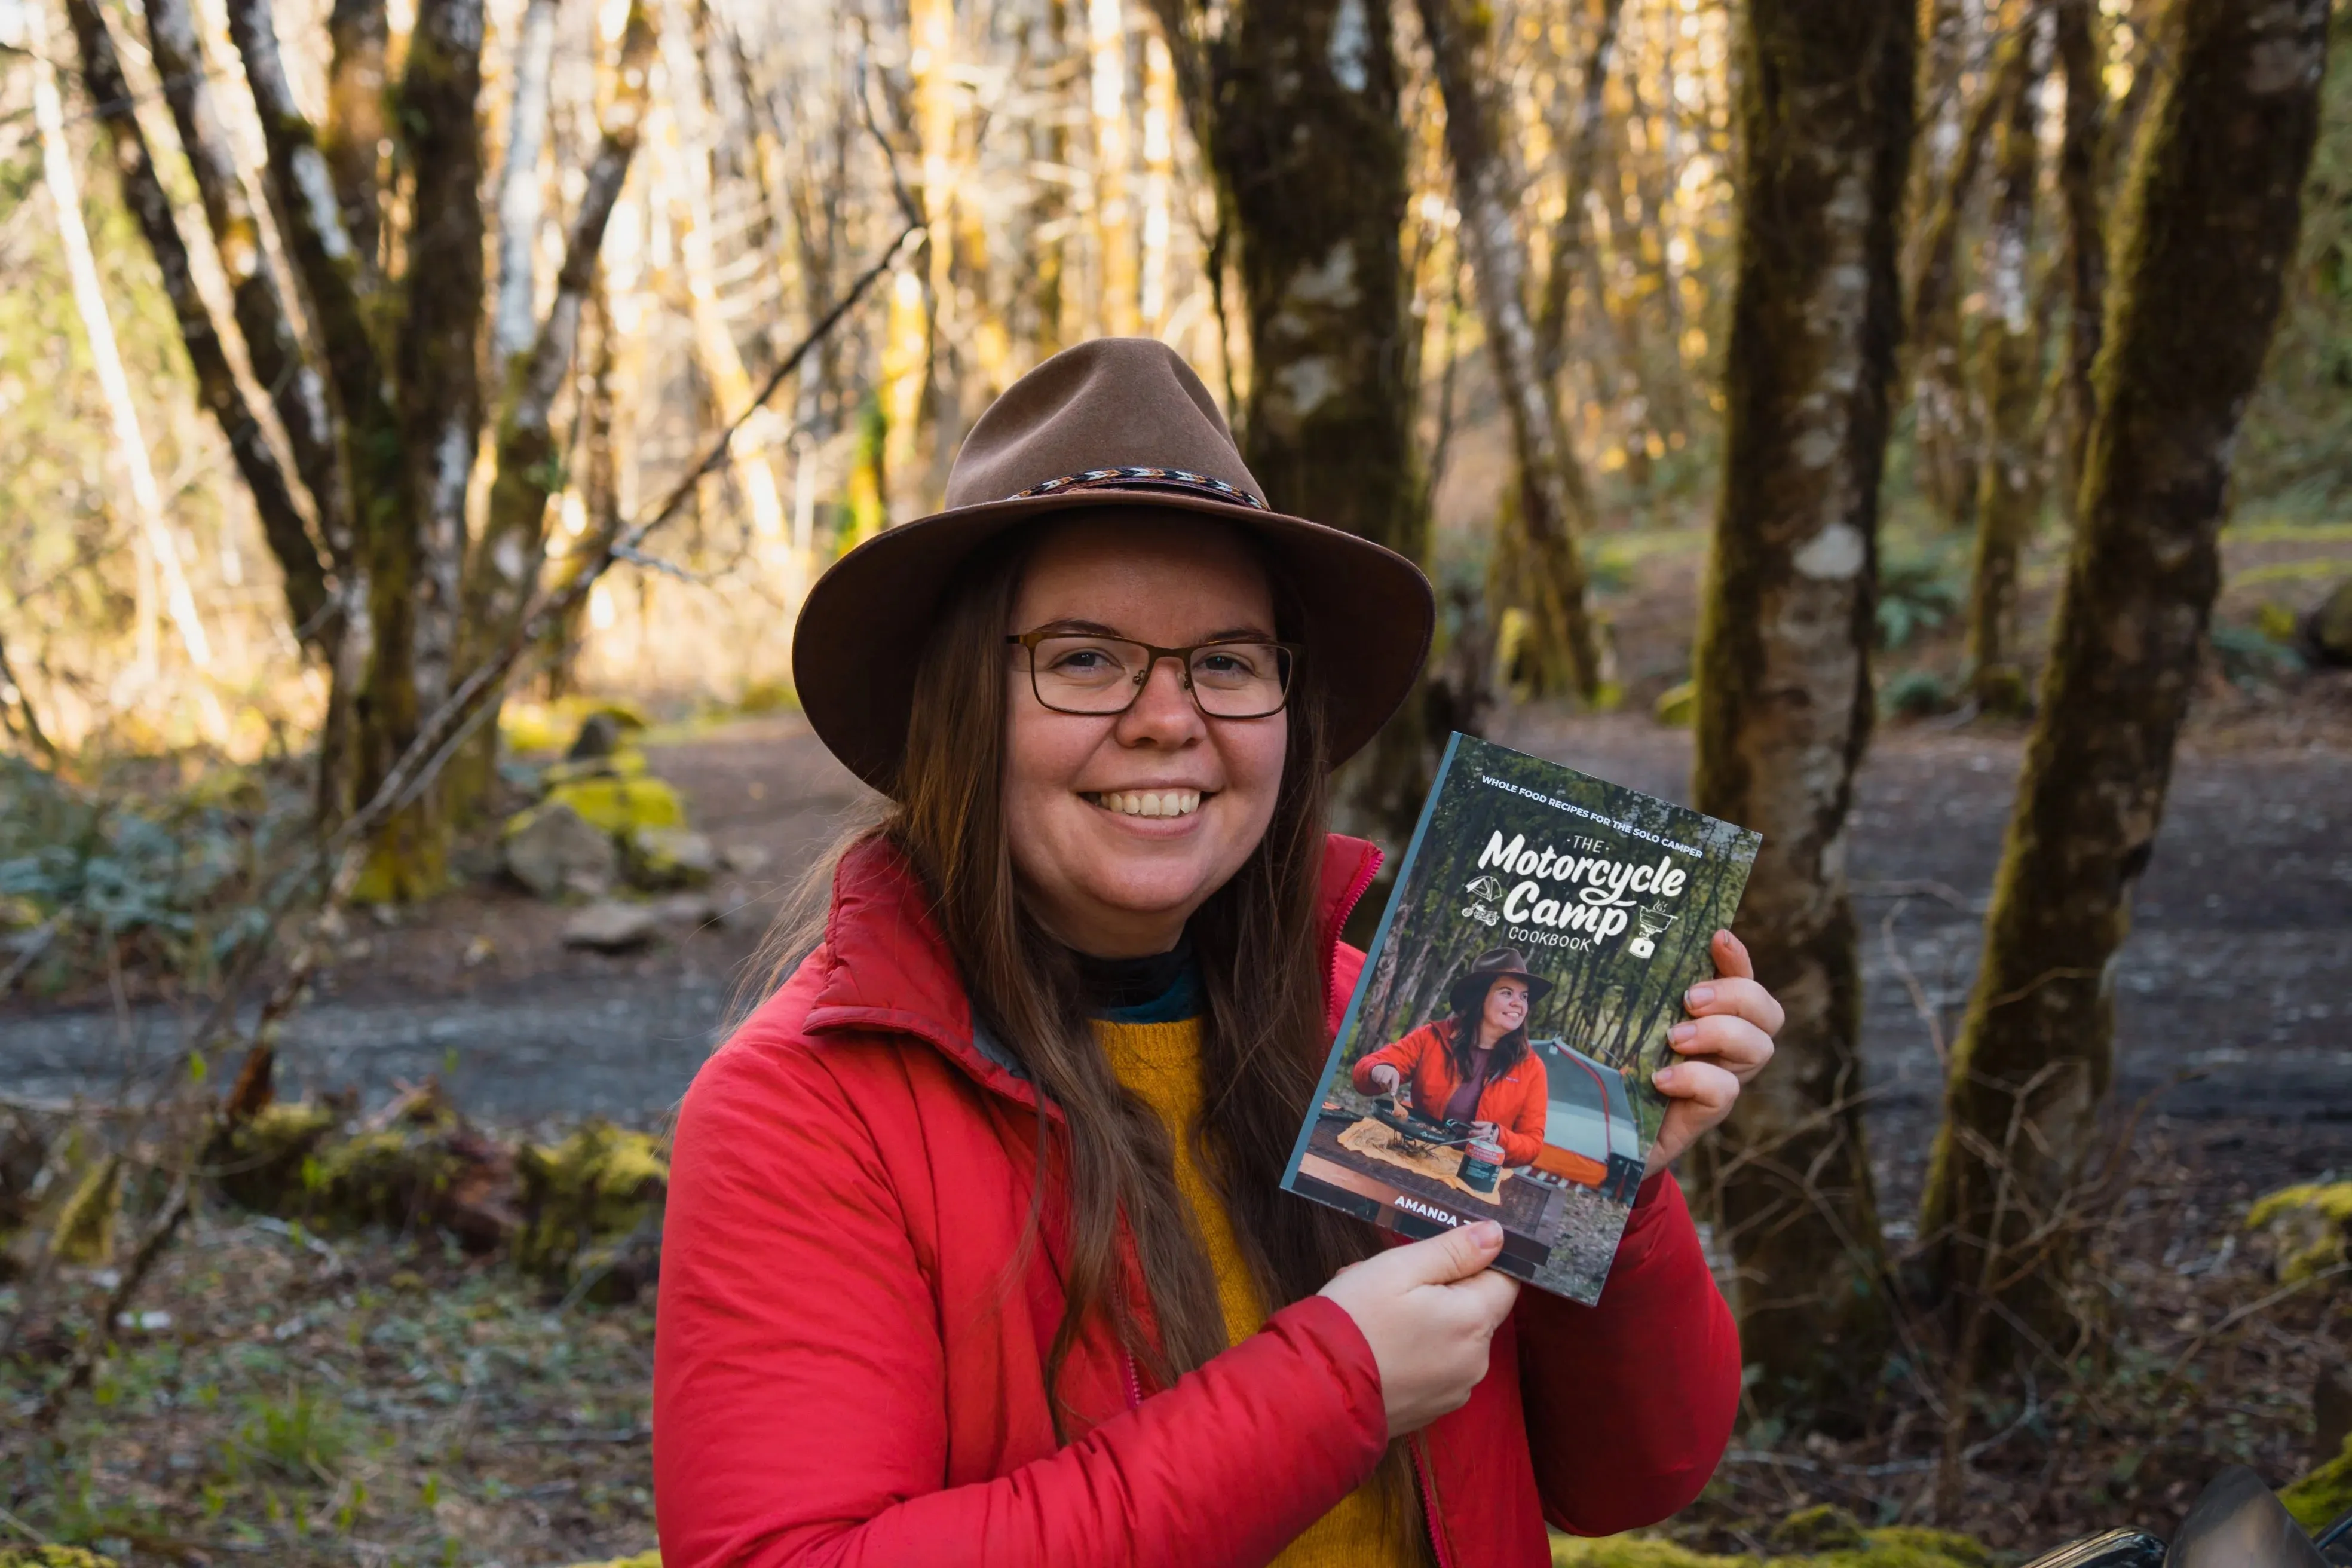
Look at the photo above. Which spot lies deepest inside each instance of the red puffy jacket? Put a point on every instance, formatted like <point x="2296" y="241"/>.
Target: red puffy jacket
<point x="854" y="1321"/>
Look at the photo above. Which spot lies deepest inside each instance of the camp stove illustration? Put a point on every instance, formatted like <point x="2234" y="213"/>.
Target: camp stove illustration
<point x="1647" y="924"/>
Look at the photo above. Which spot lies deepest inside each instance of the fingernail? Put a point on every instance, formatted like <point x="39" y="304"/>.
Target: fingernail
<point x="1487" y="1232"/>
<point x="1681" y="1033"/>
<point x="1700" y="995"/>
<point x="1663" y="1078"/>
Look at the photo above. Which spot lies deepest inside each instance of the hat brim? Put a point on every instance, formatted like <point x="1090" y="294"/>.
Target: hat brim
<point x="1537" y="986"/>
<point x="1369" y="613"/>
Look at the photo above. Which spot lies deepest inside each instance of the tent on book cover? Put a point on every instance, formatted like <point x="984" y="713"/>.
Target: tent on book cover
<point x="1591" y="1137"/>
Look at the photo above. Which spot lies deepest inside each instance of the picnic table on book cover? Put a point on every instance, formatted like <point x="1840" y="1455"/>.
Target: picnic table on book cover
<point x="1609" y="897"/>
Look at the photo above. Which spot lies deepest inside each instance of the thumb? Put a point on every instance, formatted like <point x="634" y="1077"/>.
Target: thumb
<point x="1456" y="1255"/>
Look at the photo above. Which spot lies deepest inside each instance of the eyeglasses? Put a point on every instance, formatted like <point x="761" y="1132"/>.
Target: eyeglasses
<point x="1077" y="672"/>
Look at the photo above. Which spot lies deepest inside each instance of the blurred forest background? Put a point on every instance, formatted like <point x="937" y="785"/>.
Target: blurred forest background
<point x="1916" y="433"/>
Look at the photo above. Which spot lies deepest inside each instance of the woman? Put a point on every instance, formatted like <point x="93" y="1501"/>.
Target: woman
<point x="975" y="1251"/>
<point x="1483" y="1074"/>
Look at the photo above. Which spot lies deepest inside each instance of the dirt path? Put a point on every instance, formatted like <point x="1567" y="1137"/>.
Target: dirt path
<point x="2235" y="990"/>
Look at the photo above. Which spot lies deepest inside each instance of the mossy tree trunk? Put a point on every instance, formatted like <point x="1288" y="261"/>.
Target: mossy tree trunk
<point x="1554" y="503"/>
<point x="2206" y="226"/>
<point x="420" y="552"/>
<point x="1825" y="106"/>
<point x="1295" y="103"/>
<point x="2008" y="375"/>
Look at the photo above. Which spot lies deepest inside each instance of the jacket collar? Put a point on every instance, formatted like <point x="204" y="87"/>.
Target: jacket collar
<point x="888" y="969"/>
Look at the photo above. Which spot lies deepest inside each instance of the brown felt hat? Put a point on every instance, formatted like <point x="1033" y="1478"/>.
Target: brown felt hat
<point x="1115" y="421"/>
<point x="1469" y="989"/>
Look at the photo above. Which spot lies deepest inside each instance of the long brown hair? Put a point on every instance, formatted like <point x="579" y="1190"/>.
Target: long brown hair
<point x="1263" y="1030"/>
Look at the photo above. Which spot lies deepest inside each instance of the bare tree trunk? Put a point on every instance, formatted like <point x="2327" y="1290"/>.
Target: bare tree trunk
<point x="507" y="558"/>
<point x="1825" y="96"/>
<point x="1048" y="285"/>
<point x="357" y="122"/>
<point x="97" y="327"/>
<point x="2082" y="55"/>
<point x="264" y="319"/>
<point x="2010" y="369"/>
<point x="514" y="316"/>
<point x="1554" y="503"/>
<point x="1295" y="103"/>
<point x="282" y="523"/>
<point x="1113" y="215"/>
<point x="2206" y="224"/>
<point x="1947" y="435"/>
<point x="1581" y="138"/>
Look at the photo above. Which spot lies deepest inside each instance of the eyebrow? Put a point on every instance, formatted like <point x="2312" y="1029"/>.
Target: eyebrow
<point x="1095" y="628"/>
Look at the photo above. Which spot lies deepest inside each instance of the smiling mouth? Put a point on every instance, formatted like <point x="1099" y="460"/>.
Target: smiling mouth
<point x="1149" y="802"/>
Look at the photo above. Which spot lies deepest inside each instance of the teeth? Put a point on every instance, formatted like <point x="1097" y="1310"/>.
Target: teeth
<point x="1151" y="803"/>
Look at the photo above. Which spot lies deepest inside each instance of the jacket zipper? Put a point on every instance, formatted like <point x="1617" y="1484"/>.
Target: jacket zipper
<point x="1429" y="1503"/>
<point x="1134" y="1381"/>
<point x="1364" y="879"/>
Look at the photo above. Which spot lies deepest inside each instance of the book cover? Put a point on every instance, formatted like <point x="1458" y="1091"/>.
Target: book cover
<point x="1494" y="1062"/>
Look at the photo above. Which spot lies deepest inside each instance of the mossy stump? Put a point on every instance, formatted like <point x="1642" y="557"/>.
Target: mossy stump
<point x="592" y="1212"/>
<point x="1897" y="1546"/>
<point x="2309" y="1225"/>
<point x="2324" y="1496"/>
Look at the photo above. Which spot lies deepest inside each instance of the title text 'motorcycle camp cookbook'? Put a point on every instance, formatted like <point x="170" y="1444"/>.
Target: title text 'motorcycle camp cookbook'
<point x="1496" y="1061"/>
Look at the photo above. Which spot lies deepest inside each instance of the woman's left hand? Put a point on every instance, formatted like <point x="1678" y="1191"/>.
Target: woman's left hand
<point x="1727" y="1041"/>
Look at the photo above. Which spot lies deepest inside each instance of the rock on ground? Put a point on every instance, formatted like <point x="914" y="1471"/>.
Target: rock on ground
<point x="552" y="849"/>
<point x="611" y="926"/>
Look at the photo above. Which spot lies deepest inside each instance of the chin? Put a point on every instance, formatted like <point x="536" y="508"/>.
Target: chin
<point x="1149" y="894"/>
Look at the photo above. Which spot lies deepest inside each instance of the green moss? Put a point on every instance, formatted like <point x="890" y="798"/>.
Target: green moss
<point x="2310" y="1224"/>
<point x="1825" y="1528"/>
<point x="262" y="1160"/>
<point x="386" y="1176"/>
<point x="61" y="1557"/>
<point x="1894" y="1547"/>
<point x="588" y="1203"/>
<point x="642" y="1560"/>
<point x="1633" y="1551"/>
<point x="1676" y="705"/>
<point x="84" y="1232"/>
<point x="617" y="805"/>
<point x="2323" y="1495"/>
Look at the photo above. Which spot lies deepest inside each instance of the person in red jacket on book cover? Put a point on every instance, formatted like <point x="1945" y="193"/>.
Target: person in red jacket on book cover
<point x="1475" y="1067"/>
<point x="975" y="1251"/>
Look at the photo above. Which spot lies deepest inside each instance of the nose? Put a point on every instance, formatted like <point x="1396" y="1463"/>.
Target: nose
<point x="1163" y="710"/>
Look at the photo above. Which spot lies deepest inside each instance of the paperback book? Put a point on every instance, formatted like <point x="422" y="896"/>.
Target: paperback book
<point x="1494" y="1062"/>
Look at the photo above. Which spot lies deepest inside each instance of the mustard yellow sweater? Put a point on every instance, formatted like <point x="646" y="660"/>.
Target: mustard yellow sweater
<point x="1160" y="1065"/>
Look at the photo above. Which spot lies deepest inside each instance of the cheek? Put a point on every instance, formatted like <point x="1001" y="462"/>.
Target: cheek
<point x="1041" y="758"/>
<point x="1254" y="754"/>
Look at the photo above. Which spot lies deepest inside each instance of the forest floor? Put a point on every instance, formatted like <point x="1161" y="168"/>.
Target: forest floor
<point x="402" y="1403"/>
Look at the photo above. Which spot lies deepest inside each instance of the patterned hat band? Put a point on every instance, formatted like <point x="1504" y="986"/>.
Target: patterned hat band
<point x="1143" y="479"/>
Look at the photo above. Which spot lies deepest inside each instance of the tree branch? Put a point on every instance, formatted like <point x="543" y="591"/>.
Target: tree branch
<point x="282" y="522"/>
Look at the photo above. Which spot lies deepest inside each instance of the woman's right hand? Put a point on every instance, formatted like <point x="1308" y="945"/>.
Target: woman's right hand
<point x="1429" y="1310"/>
<point x="1386" y="1078"/>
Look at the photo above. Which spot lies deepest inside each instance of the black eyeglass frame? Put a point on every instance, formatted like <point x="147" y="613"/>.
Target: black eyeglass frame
<point x="1296" y="653"/>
